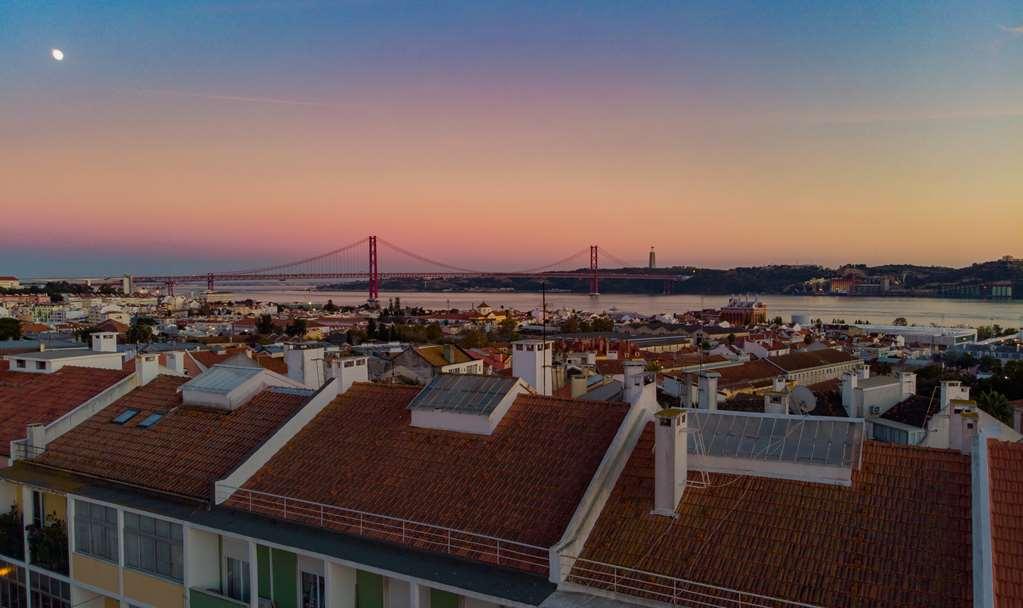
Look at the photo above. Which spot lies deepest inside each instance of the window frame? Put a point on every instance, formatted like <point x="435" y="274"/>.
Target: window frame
<point x="105" y="526"/>
<point x="145" y="538"/>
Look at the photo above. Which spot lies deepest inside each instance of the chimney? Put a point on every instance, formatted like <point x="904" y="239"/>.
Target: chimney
<point x="776" y="402"/>
<point x="305" y="365"/>
<point x="779" y="384"/>
<point x="964" y="425"/>
<point x="449" y="353"/>
<point x="952" y="390"/>
<point x="36" y="440"/>
<point x="578" y="386"/>
<point x="864" y="372"/>
<point x="348" y="371"/>
<point x="850" y="380"/>
<point x="908" y="382"/>
<point x="670" y="460"/>
<point x="104" y="342"/>
<point x="531" y="361"/>
<point x="147" y="367"/>
<point x="708" y="393"/>
<point x="42" y="347"/>
<point x="634" y="369"/>
<point x="686" y="386"/>
<point x="176" y="362"/>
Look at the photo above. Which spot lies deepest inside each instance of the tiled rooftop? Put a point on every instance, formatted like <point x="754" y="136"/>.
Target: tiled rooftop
<point x="811" y="359"/>
<point x="436" y="355"/>
<point x="522" y="483"/>
<point x="183" y="453"/>
<point x="27" y="398"/>
<point x="899" y="536"/>
<point x="1006" y="474"/>
<point x="915" y="410"/>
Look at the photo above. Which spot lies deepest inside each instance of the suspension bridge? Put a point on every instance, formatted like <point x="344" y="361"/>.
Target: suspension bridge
<point x="361" y="260"/>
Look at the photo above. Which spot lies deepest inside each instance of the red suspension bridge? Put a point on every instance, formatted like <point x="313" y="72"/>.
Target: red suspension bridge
<point x="361" y="260"/>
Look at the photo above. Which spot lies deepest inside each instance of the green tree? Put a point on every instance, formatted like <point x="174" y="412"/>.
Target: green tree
<point x="139" y="333"/>
<point x="996" y="404"/>
<point x="731" y="339"/>
<point x="602" y="323"/>
<point x="433" y="332"/>
<point x="297" y="328"/>
<point x="777" y="321"/>
<point x="330" y="306"/>
<point x="10" y="329"/>
<point x="474" y="338"/>
<point x="265" y="325"/>
<point x="900" y="321"/>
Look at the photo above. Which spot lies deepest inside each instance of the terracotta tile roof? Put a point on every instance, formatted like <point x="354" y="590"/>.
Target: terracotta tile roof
<point x="274" y="364"/>
<point x="111" y="325"/>
<point x="899" y="536"/>
<point x="810" y="359"/>
<point x="435" y="354"/>
<point x="27" y="398"/>
<point x="209" y="358"/>
<point x="1006" y="474"/>
<point x="915" y="410"/>
<point x="183" y="453"/>
<point x="522" y="483"/>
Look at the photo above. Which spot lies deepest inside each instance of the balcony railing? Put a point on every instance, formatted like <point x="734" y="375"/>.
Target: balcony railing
<point x="666" y="589"/>
<point x="429" y="537"/>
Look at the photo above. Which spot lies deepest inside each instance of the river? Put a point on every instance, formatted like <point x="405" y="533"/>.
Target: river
<point x="920" y="311"/>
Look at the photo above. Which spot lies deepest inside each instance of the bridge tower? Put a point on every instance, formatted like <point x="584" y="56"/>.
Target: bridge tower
<point x="209" y="282"/>
<point x="374" y="271"/>
<point x="594" y="265"/>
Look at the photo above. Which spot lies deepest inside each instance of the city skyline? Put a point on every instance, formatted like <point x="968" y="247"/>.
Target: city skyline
<point x="193" y="136"/>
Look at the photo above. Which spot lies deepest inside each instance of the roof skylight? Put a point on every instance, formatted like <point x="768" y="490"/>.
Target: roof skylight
<point x="150" y="420"/>
<point x="125" y="416"/>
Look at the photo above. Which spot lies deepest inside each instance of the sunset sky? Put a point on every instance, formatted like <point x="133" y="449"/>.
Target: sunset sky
<point x="188" y="136"/>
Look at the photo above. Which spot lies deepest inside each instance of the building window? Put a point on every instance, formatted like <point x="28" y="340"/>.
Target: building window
<point x="153" y="545"/>
<point x="238" y="583"/>
<point x="95" y="530"/>
<point x="40" y="365"/>
<point x="48" y="592"/>
<point x="38" y="509"/>
<point x="888" y="434"/>
<point x="20" y="363"/>
<point x="313" y="591"/>
<point x="12" y="586"/>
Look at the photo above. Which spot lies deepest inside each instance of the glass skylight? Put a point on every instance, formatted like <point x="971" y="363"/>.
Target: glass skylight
<point x="125" y="416"/>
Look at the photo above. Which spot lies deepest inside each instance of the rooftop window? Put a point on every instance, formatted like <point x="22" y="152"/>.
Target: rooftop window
<point x="125" y="416"/>
<point x="150" y="420"/>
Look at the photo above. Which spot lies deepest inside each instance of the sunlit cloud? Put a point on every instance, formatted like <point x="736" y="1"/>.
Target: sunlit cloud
<point x="1018" y="30"/>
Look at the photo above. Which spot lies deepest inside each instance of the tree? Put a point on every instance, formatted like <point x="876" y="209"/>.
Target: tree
<point x="808" y="339"/>
<point x="371" y="329"/>
<point x="264" y="325"/>
<point x="996" y="404"/>
<point x="777" y="321"/>
<point x="10" y="329"/>
<point x="731" y="339"/>
<point x="297" y="328"/>
<point x="900" y="321"/>
<point x="139" y="333"/>
<point x="474" y="338"/>
<point x="330" y="306"/>
<point x="433" y="332"/>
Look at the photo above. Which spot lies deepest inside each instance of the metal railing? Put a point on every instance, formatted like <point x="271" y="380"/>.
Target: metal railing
<point x="479" y="547"/>
<point x="666" y="589"/>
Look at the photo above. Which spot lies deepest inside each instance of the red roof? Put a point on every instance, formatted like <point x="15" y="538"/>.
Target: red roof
<point x="28" y="398"/>
<point x="1006" y="474"/>
<point x="899" y="536"/>
<point x="522" y="483"/>
<point x="183" y="453"/>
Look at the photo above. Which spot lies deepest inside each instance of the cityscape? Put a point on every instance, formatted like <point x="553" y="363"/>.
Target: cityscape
<point x="337" y="304"/>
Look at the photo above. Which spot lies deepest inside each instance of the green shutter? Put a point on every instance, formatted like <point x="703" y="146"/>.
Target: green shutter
<point x="369" y="590"/>
<point x="443" y="599"/>
<point x="285" y="569"/>
<point x="263" y="565"/>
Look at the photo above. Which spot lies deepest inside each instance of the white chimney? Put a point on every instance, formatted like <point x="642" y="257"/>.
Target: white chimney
<point x="908" y="381"/>
<point x="347" y="371"/>
<point x="850" y="380"/>
<point x="305" y="365"/>
<point x="708" y="390"/>
<point x="864" y="372"/>
<point x="36" y="440"/>
<point x="634" y="369"/>
<point x="531" y="361"/>
<point x="104" y="342"/>
<point x="963" y="425"/>
<point x="779" y="384"/>
<point x="670" y="460"/>
<point x="952" y="390"/>
<point x="776" y="402"/>
<point x="176" y="361"/>
<point x="147" y="367"/>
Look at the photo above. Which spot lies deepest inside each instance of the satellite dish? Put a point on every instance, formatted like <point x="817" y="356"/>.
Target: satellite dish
<point x="803" y="399"/>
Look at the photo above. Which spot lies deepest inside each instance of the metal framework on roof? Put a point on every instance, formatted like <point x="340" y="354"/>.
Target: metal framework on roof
<point x="222" y="379"/>
<point x="464" y="394"/>
<point x="811" y="440"/>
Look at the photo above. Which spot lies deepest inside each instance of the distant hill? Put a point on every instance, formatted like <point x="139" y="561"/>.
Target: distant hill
<point x="905" y="280"/>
